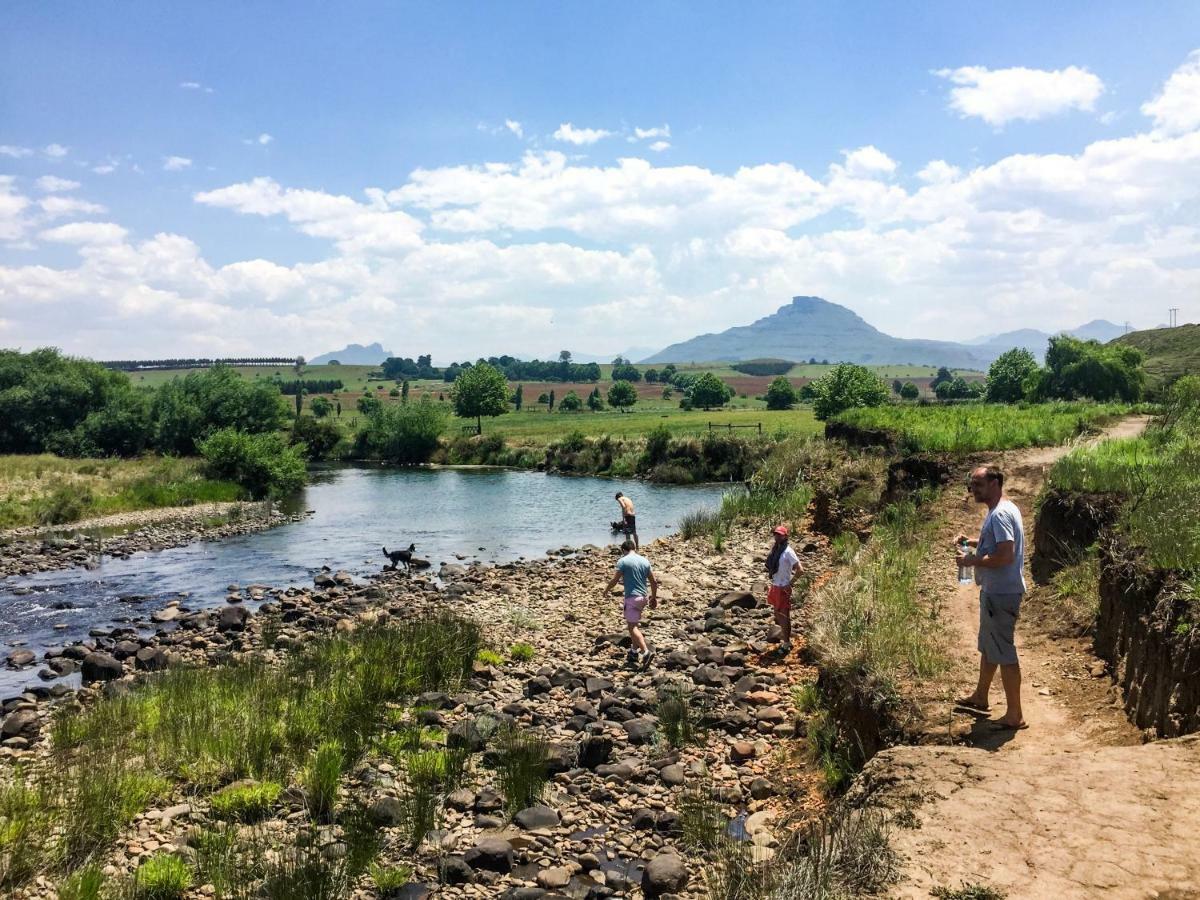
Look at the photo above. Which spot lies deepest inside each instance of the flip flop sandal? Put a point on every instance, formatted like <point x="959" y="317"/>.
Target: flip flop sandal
<point x="1004" y="726"/>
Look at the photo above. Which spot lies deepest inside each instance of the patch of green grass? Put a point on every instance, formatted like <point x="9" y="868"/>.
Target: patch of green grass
<point x="389" y="878"/>
<point x="678" y="715"/>
<point x="846" y="547"/>
<point x="702" y="821"/>
<point x="521" y="651"/>
<point x="320" y="779"/>
<point x="968" y="892"/>
<point x="86" y="883"/>
<point x="245" y="802"/>
<point x="963" y="428"/>
<point x="162" y="877"/>
<point x="522" y="762"/>
<point x="489" y="658"/>
<point x="870" y="618"/>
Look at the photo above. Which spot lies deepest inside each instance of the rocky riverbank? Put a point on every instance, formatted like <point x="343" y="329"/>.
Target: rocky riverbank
<point x="27" y="551"/>
<point x="610" y="822"/>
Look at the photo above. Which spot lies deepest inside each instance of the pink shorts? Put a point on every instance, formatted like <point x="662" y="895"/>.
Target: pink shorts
<point x="633" y="608"/>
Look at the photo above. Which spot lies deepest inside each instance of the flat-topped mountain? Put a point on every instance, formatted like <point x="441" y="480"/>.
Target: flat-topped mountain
<point x="811" y="327"/>
<point x="354" y="355"/>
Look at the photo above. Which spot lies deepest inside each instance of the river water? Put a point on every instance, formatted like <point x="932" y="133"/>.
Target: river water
<point x="482" y="514"/>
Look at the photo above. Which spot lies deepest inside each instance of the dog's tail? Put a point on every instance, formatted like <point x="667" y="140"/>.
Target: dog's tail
<point x="385" y="553"/>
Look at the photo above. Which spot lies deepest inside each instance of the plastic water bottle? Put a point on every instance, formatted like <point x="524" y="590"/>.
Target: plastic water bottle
<point x="966" y="574"/>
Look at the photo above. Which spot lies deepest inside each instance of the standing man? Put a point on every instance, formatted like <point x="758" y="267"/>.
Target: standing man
<point x="999" y="560"/>
<point x="629" y="518"/>
<point x="636" y="572"/>
<point x="783" y="567"/>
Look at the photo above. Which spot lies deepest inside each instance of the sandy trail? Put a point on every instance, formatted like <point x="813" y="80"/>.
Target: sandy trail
<point x="1073" y="806"/>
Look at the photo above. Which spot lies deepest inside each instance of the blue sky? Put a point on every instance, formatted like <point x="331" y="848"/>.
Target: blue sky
<point x="290" y="177"/>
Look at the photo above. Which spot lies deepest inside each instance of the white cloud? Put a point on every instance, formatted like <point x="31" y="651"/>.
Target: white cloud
<point x="12" y="210"/>
<point x="1177" y="107"/>
<point x="999" y="96"/>
<point x="642" y="134"/>
<point x="176" y="163"/>
<point x="515" y="127"/>
<point x="15" y="152"/>
<point x="938" y="171"/>
<point x="263" y="139"/>
<point x="869" y="160"/>
<point x="579" y="136"/>
<point x="660" y="146"/>
<point x="85" y="233"/>
<point x="56" y="207"/>
<point x="105" y="168"/>
<point x="195" y="86"/>
<point x="52" y="183"/>
<point x="55" y="151"/>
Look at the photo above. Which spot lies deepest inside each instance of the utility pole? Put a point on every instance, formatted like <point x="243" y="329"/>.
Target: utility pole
<point x="1174" y="313"/>
<point x="1128" y="328"/>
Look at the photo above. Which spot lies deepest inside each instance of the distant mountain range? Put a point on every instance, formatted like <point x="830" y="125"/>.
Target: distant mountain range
<point x="354" y="355"/>
<point x="811" y="327"/>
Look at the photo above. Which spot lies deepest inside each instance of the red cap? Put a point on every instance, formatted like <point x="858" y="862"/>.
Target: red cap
<point x="781" y="529"/>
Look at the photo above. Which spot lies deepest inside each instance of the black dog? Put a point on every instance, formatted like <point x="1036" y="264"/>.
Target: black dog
<point x="617" y="526"/>
<point x="400" y="556"/>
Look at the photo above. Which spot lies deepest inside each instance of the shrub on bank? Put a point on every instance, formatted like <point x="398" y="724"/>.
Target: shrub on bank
<point x="263" y="464"/>
<point x="404" y="434"/>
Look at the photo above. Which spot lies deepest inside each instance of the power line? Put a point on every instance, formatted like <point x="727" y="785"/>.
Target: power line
<point x="1174" y="314"/>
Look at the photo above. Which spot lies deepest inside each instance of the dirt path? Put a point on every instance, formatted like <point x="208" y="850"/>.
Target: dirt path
<point x="1074" y="806"/>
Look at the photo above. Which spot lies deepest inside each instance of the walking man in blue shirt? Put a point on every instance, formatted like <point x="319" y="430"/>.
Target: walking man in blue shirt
<point x="641" y="590"/>
<point x="999" y="560"/>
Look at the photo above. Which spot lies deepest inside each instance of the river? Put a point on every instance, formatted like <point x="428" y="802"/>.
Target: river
<point x="494" y="515"/>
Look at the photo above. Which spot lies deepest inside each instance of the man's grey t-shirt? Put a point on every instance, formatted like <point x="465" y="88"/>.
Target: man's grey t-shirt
<point x="1002" y="524"/>
<point x="635" y="571"/>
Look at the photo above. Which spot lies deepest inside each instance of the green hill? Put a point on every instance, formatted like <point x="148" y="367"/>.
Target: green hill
<point x="1170" y="352"/>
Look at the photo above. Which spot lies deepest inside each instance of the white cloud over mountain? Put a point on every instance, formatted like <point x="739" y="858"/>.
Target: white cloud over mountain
<point x="548" y="251"/>
<point x="999" y="96"/>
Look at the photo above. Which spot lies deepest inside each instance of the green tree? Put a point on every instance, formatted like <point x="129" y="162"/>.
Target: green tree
<point x="318" y="437"/>
<point x="958" y="388"/>
<point x="943" y="374"/>
<point x="1078" y="369"/>
<point x="1008" y="374"/>
<point x="570" y="403"/>
<point x="708" y="391"/>
<point x="368" y="404"/>
<point x="897" y="387"/>
<point x="261" y="463"/>
<point x="480" y="391"/>
<point x="594" y="401"/>
<point x="550" y="402"/>
<point x="543" y="398"/>
<point x="781" y="394"/>
<point x="321" y="407"/>
<point x="622" y="395"/>
<point x="626" y="372"/>
<point x="846" y="386"/>
<point x="186" y="410"/>
<point x="339" y="408"/>
<point x="405" y="434"/>
<point x="666" y="394"/>
<point x="519" y="396"/>
<point x="651" y="376"/>
<point x="909" y="391"/>
<point x="404" y="391"/>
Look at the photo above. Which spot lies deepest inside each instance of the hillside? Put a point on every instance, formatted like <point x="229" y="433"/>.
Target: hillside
<point x="811" y="327"/>
<point x="1170" y="352"/>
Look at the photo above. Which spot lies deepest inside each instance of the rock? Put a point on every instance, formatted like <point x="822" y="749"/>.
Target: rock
<point x="554" y="877"/>
<point x="386" y="811"/>
<point x="740" y="599"/>
<point x="465" y="735"/>
<point x="772" y="715"/>
<point x="61" y="666"/>
<point x="343" y="577"/>
<point x="454" y="870"/>
<point x="761" y="789"/>
<point x="491" y="853"/>
<point x="461" y="800"/>
<point x="672" y="775"/>
<point x="741" y="750"/>
<point x="560" y="759"/>
<point x="711" y="655"/>
<point x="597" y="686"/>
<point x="537" y="817"/>
<point x="640" y="731"/>
<point x="21" y="657"/>
<point x="232" y="618"/>
<point x="488" y="800"/>
<point x="710" y="676"/>
<point x="664" y="874"/>
<point x="170" y="614"/>
<point x="538" y="684"/>
<point x="22" y="723"/>
<point x="150" y="659"/>
<point x="595" y="750"/>
<point x="98" y="666"/>
<point x="324" y="580"/>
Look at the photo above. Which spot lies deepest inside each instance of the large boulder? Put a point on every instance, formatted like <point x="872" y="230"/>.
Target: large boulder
<point x="665" y="874"/>
<point x="21" y="657"/>
<point x="100" y="666"/>
<point x="595" y="750"/>
<point x="150" y="659"/>
<point x="537" y="817"/>
<point x="232" y="618"/>
<point x="22" y="723"/>
<point x="491" y="853"/>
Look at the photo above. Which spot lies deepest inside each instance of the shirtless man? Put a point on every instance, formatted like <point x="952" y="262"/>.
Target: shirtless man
<point x="629" y="518"/>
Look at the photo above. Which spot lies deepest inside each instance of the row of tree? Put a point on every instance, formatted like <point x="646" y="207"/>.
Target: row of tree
<point x="200" y="362"/>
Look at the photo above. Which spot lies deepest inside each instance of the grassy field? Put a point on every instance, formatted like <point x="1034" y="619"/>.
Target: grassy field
<point x="1170" y="352"/>
<point x="50" y="490"/>
<point x="970" y="427"/>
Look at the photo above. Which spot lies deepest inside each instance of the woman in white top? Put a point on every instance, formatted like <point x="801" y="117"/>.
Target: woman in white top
<point x="783" y="565"/>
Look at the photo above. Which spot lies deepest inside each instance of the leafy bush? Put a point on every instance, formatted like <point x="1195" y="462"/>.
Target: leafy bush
<point x="658" y="442"/>
<point x="909" y="391"/>
<point x="570" y="403"/>
<point x="626" y="372"/>
<point x="245" y="802"/>
<point x="321" y="407"/>
<point x="319" y="438"/>
<point x="405" y="434"/>
<point x="847" y="386"/>
<point x="781" y="394"/>
<point x="261" y="463"/>
<point x="188" y="410"/>
<point x="958" y="388"/>
<point x="708" y="391"/>
<point x="163" y="876"/>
